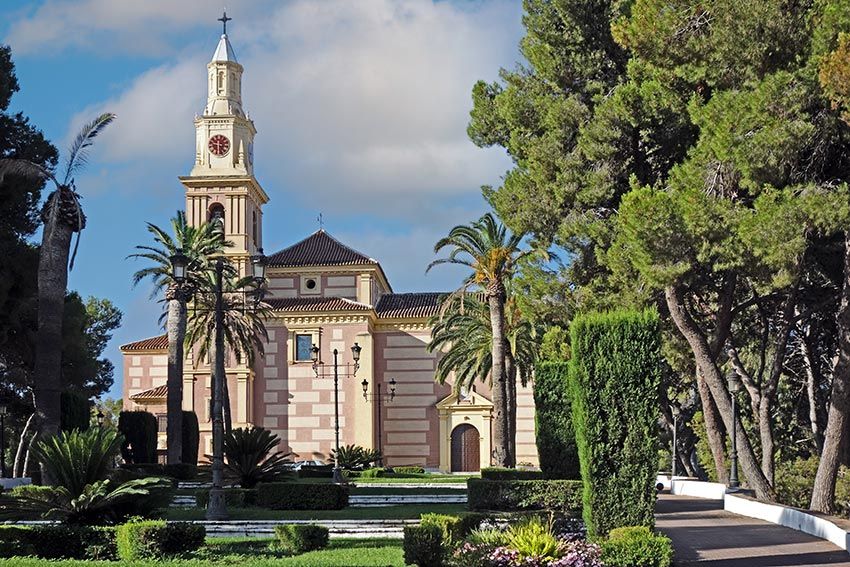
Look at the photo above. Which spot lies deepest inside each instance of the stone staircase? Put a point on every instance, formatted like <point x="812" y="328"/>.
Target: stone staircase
<point x="362" y="501"/>
<point x="337" y="528"/>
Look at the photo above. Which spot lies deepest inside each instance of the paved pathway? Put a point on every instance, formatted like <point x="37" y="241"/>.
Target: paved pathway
<point x="704" y="535"/>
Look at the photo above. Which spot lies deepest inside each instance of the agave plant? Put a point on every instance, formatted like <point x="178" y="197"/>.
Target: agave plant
<point x="353" y="457"/>
<point x="250" y="458"/>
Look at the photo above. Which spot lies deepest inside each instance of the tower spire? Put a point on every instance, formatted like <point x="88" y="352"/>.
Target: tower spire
<point x="224" y="19"/>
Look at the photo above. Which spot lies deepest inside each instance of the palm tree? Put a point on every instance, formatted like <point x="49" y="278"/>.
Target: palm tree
<point x="62" y="216"/>
<point x="462" y="330"/>
<point x="244" y="326"/>
<point x="492" y="253"/>
<point x="199" y="244"/>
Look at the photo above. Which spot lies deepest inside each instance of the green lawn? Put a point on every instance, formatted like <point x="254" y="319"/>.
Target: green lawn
<point x="401" y="512"/>
<point x="256" y="553"/>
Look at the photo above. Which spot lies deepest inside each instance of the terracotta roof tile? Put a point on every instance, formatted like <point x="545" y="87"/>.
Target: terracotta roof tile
<point x="153" y="343"/>
<point x="316" y="304"/>
<point x="158" y="393"/>
<point x="409" y="305"/>
<point x="319" y="249"/>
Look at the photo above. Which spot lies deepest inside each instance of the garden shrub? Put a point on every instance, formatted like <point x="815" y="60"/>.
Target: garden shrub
<point x="180" y="471"/>
<point x="294" y="496"/>
<point x="409" y="470"/>
<point x="533" y="540"/>
<point x="233" y="497"/>
<point x="614" y="378"/>
<point x="157" y="540"/>
<point x="58" y="541"/>
<point x="316" y="471"/>
<point x="251" y="456"/>
<point x="515" y="495"/>
<point x="372" y="473"/>
<point x="502" y="473"/>
<point x="301" y="538"/>
<point x="423" y="546"/>
<point x="75" y="412"/>
<point x="795" y="479"/>
<point x="139" y="429"/>
<point x="554" y="433"/>
<point x="191" y="438"/>
<point x="636" y="546"/>
<point x="453" y="528"/>
<point x="34" y="491"/>
<point x="14" y="541"/>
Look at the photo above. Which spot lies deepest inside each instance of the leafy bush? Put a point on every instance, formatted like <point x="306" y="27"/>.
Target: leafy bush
<point x="58" y="541"/>
<point x="14" y="541"/>
<point x="556" y="441"/>
<point x="75" y="412"/>
<point x="157" y="540"/>
<point x="294" y="496"/>
<point x="636" y="546"/>
<point x="139" y="429"/>
<point x="372" y="473"/>
<point x="180" y="471"/>
<point x="316" y="471"/>
<point x="75" y="459"/>
<point x="33" y="491"/>
<point x="492" y="537"/>
<point x="614" y="378"/>
<point x="501" y="473"/>
<point x="249" y="456"/>
<point x="301" y="538"/>
<point x="423" y="546"/>
<point x="514" y="495"/>
<point x="795" y="479"/>
<point x="356" y="457"/>
<point x="533" y="540"/>
<point x="409" y="470"/>
<point x="191" y="438"/>
<point x="453" y="528"/>
<point x="233" y="497"/>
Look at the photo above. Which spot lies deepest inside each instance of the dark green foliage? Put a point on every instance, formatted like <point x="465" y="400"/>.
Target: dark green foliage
<point x="453" y="528"/>
<point x="14" y="541"/>
<point x="293" y="496"/>
<point x="157" y="540"/>
<point x="409" y="470"/>
<point x="301" y="538"/>
<point x="233" y="497"/>
<point x="191" y="438"/>
<point x="139" y="429"/>
<point x="423" y="546"/>
<point x="556" y="442"/>
<point x="795" y="479"/>
<point x="313" y="471"/>
<point x="76" y="412"/>
<point x="501" y="473"/>
<point x="636" y="546"/>
<point x="615" y="376"/>
<point x="58" y="542"/>
<point x="75" y="459"/>
<point x="180" y="471"/>
<point x="372" y="473"/>
<point x="514" y="495"/>
<point x="356" y="457"/>
<point x="249" y="456"/>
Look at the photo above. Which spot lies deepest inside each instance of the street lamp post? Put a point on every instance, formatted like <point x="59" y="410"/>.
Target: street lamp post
<point x="380" y="397"/>
<point x="733" y="381"/>
<point x="675" y="413"/>
<point x="318" y="367"/>
<point x="3" y="411"/>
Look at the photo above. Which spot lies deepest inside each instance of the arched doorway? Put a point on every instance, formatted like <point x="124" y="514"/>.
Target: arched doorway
<point x="466" y="449"/>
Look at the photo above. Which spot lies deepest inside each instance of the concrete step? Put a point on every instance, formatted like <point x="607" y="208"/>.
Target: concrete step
<point x="337" y="528"/>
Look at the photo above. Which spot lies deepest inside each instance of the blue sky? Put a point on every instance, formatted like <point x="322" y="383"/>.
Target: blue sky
<point x="361" y="110"/>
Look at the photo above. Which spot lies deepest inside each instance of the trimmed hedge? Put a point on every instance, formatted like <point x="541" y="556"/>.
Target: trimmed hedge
<point x="313" y="471"/>
<point x="59" y="541"/>
<point x="515" y="495"/>
<point x="294" y="496"/>
<point x="615" y="377"/>
<point x="501" y="473"/>
<point x="553" y="423"/>
<point x="301" y="538"/>
<point x="453" y="528"/>
<point x="157" y="540"/>
<point x="139" y="430"/>
<point x="636" y="546"/>
<point x="75" y="412"/>
<point x="423" y="546"/>
<point x="409" y="470"/>
<point x="191" y="438"/>
<point x="233" y="497"/>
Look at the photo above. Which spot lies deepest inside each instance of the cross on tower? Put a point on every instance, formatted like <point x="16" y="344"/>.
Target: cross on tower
<point x="224" y="19"/>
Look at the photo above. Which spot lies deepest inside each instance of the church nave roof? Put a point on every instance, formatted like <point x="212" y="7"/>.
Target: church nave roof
<point x="319" y="249"/>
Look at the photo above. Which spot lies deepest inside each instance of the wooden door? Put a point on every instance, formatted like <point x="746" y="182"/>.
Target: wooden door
<point x="466" y="447"/>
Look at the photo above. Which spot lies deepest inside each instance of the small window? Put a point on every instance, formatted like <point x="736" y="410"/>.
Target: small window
<point x="303" y="348"/>
<point x="161" y="422"/>
<point x="310" y="284"/>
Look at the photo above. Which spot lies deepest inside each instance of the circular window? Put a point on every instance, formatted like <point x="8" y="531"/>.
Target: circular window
<point x="311" y="284"/>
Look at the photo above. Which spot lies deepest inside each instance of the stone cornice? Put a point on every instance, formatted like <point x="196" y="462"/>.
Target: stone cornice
<point x="238" y="185"/>
<point x="345" y="269"/>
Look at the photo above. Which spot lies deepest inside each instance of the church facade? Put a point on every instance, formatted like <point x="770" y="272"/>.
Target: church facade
<point x="326" y="294"/>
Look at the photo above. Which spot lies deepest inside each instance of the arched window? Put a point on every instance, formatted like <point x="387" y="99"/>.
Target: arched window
<point x="216" y="215"/>
<point x="220" y="82"/>
<point x="255" y="228"/>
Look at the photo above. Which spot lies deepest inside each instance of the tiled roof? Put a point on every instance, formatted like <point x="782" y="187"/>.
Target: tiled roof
<point x="316" y="304"/>
<point x="153" y="343"/>
<point x="409" y="305"/>
<point x="319" y="249"/>
<point x="158" y="393"/>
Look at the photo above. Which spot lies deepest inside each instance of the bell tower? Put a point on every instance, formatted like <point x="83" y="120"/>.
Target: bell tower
<point x="222" y="183"/>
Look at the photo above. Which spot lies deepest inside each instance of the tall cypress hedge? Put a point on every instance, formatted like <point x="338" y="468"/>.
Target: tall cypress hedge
<point x="556" y="442"/>
<point x="614" y="378"/>
<point x="75" y="412"/>
<point x="191" y="437"/>
<point x="139" y="430"/>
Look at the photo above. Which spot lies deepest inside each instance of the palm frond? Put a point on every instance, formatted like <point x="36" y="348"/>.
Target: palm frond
<point x="77" y="154"/>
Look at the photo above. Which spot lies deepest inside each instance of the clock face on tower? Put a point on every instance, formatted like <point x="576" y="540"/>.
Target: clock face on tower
<point x="219" y="145"/>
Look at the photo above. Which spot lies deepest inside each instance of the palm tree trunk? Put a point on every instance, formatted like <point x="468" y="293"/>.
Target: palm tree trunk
<point x="176" y="329"/>
<point x="823" y="493"/>
<point x="511" y="372"/>
<point x="52" y="285"/>
<point x="501" y="429"/>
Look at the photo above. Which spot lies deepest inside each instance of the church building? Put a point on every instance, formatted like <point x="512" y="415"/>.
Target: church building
<point x="323" y="293"/>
